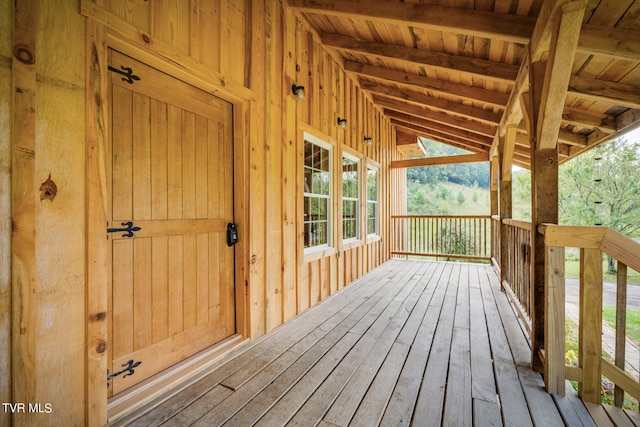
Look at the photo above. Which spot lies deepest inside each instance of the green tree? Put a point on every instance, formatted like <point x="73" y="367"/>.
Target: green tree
<point x="602" y="186"/>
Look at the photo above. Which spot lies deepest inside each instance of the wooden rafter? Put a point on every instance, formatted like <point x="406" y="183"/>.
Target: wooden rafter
<point x="600" y="90"/>
<point x="435" y="135"/>
<point x="439" y="126"/>
<point x="445" y="119"/>
<point x="499" y="72"/>
<point x="512" y="28"/>
<point x="470" y="93"/>
<point x="435" y="103"/>
<point x="618" y="43"/>
<point x="443" y="160"/>
<point x="579" y="117"/>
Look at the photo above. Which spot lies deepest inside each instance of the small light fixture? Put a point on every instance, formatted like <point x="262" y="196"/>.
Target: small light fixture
<point x="342" y="123"/>
<point x="368" y="140"/>
<point x="298" y="91"/>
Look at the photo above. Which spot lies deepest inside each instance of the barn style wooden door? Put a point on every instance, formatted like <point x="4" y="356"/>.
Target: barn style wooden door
<point x="171" y="289"/>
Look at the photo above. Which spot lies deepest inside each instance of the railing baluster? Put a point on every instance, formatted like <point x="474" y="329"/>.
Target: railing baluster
<point x="590" y="327"/>
<point x="621" y="327"/>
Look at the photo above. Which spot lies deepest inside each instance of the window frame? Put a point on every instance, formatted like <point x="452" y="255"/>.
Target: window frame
<point x="358" y="223"/>
<point x="312" y="139"/>
<point x="376" y="168"/>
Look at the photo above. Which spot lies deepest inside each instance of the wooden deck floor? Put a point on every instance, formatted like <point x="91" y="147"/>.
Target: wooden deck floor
<point x="420" y="343"/>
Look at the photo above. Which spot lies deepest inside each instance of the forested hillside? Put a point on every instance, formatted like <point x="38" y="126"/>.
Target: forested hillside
<point x="448" y="190"/>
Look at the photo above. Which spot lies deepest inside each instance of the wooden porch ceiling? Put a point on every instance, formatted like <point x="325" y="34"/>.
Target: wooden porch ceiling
<point x="411" y="343"/>
<point x="456" y="71"/>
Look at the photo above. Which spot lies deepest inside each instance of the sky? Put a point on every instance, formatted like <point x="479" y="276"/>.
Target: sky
<point x="633" y="135"/>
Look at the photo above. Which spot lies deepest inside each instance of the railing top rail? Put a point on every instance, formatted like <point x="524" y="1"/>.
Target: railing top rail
<point x="441" y="216"/>
<point x="518" y="224"/>
<point x="606" y="239"/>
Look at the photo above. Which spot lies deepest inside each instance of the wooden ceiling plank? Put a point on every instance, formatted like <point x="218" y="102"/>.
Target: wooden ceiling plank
<point x="564" y="42"/>
<point x="439" y="161"/>
<point x="471" y="93"/>
<point x="478" y="67"/>
<point x="513" y="28"/>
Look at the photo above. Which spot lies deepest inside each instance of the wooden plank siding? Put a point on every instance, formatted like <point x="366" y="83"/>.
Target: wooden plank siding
<point x="422" y="343"/>
<point x="248" y="53"/>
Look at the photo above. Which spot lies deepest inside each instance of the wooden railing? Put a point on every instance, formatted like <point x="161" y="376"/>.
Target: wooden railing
<point x="453" y="236"/>
<point x="593" y="242"/>
<point x="515" y="266"/>
<point x="495" y="240"/>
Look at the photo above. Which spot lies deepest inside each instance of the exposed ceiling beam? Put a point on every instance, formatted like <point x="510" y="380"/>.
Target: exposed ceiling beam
<point x="457" y="90"/>
<point x="582" y="118"/>
<point x="502" y="73"/>
<point x="439" y="127"/>
<point x="420" y="112"/>
<point x="609" y="92"/>
<point x="513" y="112"/>
<point x="565" y="31"/>
<point x="438" y="161"/>
<point x="619" y="43"/>
<point x="514" y="28"/>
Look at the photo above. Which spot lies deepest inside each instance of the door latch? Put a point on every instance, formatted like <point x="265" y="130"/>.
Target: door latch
<point x="232" y="234"/>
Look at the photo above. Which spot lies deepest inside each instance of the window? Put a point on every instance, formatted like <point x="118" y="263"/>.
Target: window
<point x="317" y="193"/>
<point x="350" y="197"/>
<point x="372" y="200"/>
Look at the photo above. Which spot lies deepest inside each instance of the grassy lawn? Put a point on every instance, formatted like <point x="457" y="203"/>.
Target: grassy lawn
<point x="572" y="271"/>
<point x="571" y="352"/>
<point x="633" y="322"/>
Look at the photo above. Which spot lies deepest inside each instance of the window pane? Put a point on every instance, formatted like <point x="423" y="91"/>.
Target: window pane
<point x="372" y="201"/>
<point x="317" y="192"/>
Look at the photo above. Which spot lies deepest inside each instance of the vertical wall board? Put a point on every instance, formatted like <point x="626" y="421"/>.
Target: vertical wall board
<point x="273" y="136"/>
<point x="290" y="182"/>
<point x="325" y="277"/>
<point x="303" y="288"/>
<point x="313" y="86"/>
<point x="60" y="220"/>
<point x="326" y="87"/>
<point x="23" y="203"/>
<point x="137" y="13"/>
<point x="333" y="271"/>
<point x="171" y="23"/>
<point x="302" y="66"/>
<point x="205" y="26"/>
<point x="233" y="31"/>
<point x="314" y="282"/>
<point x="6" y="15"/>
<point x="257" y="208"/>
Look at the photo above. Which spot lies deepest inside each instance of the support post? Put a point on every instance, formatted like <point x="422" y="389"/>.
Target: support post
<point x="495" y="230"/>
<point x="548" y="83"/>
<point x="507" y="145"/>
<point x="554" y="375"/>
<point x="590" y="334"/>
